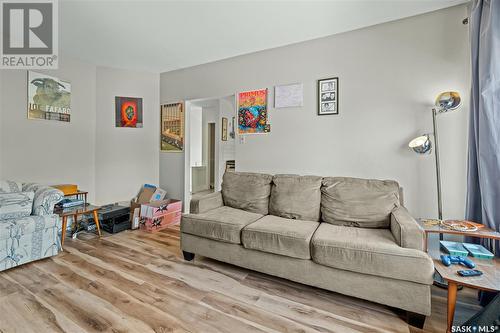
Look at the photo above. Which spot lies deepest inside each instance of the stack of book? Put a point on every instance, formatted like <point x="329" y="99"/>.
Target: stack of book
<point x="68" y="203"/>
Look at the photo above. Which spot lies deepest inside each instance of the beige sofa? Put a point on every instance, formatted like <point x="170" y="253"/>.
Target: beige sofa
<point x="351" y="236"/>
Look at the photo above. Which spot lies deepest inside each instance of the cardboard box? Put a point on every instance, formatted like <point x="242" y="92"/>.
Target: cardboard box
<point x="161" y="222"/>
<point x="160" y="208"/>
<point x="159" y="215"/>
<point x="144" y="196"/>
<point x="159" y="195"/>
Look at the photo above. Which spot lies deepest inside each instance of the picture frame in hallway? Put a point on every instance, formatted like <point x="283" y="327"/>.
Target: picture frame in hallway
<point x="172" y="127"/>
<point x="232" y="133"/>
<point x="328" y="96"/>
<point x="224" y="129"/>
<point x="128" y="112"/>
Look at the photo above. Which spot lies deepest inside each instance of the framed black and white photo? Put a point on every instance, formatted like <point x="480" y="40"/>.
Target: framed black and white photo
<point x="328" y="98"/>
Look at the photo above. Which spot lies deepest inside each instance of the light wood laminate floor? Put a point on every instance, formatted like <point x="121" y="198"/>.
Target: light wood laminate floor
<point x="138" y="282"/>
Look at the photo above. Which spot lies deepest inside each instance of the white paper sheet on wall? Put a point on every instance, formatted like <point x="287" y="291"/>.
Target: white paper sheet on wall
<point x="289" y="95"/>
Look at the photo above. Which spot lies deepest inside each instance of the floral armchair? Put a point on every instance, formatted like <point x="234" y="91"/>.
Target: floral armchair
<point x="29" y="230"/>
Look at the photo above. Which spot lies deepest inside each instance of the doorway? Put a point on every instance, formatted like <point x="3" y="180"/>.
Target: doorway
<point x="209" y="145"/>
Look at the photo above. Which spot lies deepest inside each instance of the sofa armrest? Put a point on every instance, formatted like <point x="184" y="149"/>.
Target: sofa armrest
<point x="45" y="198"/>
<point x="406" y="230"/>
<point x="206" y="203"/>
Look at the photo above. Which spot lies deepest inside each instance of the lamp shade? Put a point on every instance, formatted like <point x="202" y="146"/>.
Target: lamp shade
<point x="421" y="144"/>
<point x="447" y="101"/>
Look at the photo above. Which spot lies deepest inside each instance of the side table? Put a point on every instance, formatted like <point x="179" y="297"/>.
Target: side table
<point x="489" y="281"/>
<point x="75" y="212"/>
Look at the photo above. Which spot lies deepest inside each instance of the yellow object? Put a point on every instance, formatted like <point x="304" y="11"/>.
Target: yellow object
<point x="67" y="188"/>
<point x="431" y="222"/>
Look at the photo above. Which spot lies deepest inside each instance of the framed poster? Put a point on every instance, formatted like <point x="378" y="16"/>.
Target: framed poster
<point x="224" y="129"/>
<point x="128" y="112"/>
<point x="328" y="98"/>
<point x="172" y="127"/>
<point x="290" y="95"/>
<point x="232" y="132"/>
<point x="49" y="98"/>
<point x="252" y="112"/>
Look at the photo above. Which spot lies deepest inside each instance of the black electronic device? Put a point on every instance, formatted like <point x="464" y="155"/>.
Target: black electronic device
<point x="114" y="218"/>
<point x="470" y="272"/>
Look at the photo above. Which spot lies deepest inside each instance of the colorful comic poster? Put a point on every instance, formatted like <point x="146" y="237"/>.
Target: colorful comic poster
<point x="252" y="112"/>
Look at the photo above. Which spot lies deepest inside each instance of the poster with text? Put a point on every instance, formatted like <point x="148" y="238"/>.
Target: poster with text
<point x="252" y="112"/>
<point x="49" y="98"/>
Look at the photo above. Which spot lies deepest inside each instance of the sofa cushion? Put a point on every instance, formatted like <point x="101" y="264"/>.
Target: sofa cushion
<point x="16" y="205"/>
<point x="247" y="191"/>
<point x="280" y="235"/>
<point x="369" y="251"/>
<point x="13" y="228"/>
<point x="9" y="186"/>
<point x="296" y="197"/>
<point x="365" y="203"/>
<point x="223" y="223"/>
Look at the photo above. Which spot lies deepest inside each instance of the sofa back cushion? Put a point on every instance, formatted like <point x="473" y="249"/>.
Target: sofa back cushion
<point x="9" y="186"/>
<point x="16" y="205"/>
<point x="355" y="202"/>
<point x="296" y="197"/>
<point x="247" y="191"/>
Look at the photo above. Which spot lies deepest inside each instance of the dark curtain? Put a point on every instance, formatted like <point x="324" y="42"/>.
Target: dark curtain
<point x="483" y="183"/>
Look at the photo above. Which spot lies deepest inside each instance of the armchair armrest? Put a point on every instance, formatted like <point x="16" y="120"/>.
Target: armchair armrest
<point x="45" y="198"/>
<point x="206" y="203"/>
<point x="406" y="230"/>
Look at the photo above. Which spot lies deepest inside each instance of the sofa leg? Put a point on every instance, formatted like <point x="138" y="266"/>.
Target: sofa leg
<point x="415" y="319"/>
<point x="188" y="256"/>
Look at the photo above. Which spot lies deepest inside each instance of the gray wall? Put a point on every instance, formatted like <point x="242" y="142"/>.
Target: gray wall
<point x="111" y="163"/>
<point x="2" y="99"/>
<point x="126" y="158"/>
<point x="50" y="152"/>
<point x="389" y="76"/>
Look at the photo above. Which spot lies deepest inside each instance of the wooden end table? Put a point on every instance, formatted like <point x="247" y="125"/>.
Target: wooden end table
<point x="489" y="281"/>
<point x="75" y="212"/>
<point x="483" y="232"/>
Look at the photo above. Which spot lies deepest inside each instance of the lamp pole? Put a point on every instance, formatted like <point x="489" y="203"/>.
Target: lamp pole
<point x="438" y="168"/>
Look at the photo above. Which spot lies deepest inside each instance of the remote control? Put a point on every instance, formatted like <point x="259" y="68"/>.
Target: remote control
<point x="470" y="272"/>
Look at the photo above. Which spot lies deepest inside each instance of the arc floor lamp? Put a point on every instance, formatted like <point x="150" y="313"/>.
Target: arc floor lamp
<point x="445" y="102"/>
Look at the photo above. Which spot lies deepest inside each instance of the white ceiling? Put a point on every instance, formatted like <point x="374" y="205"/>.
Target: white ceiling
<point x="160" y="36"/>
